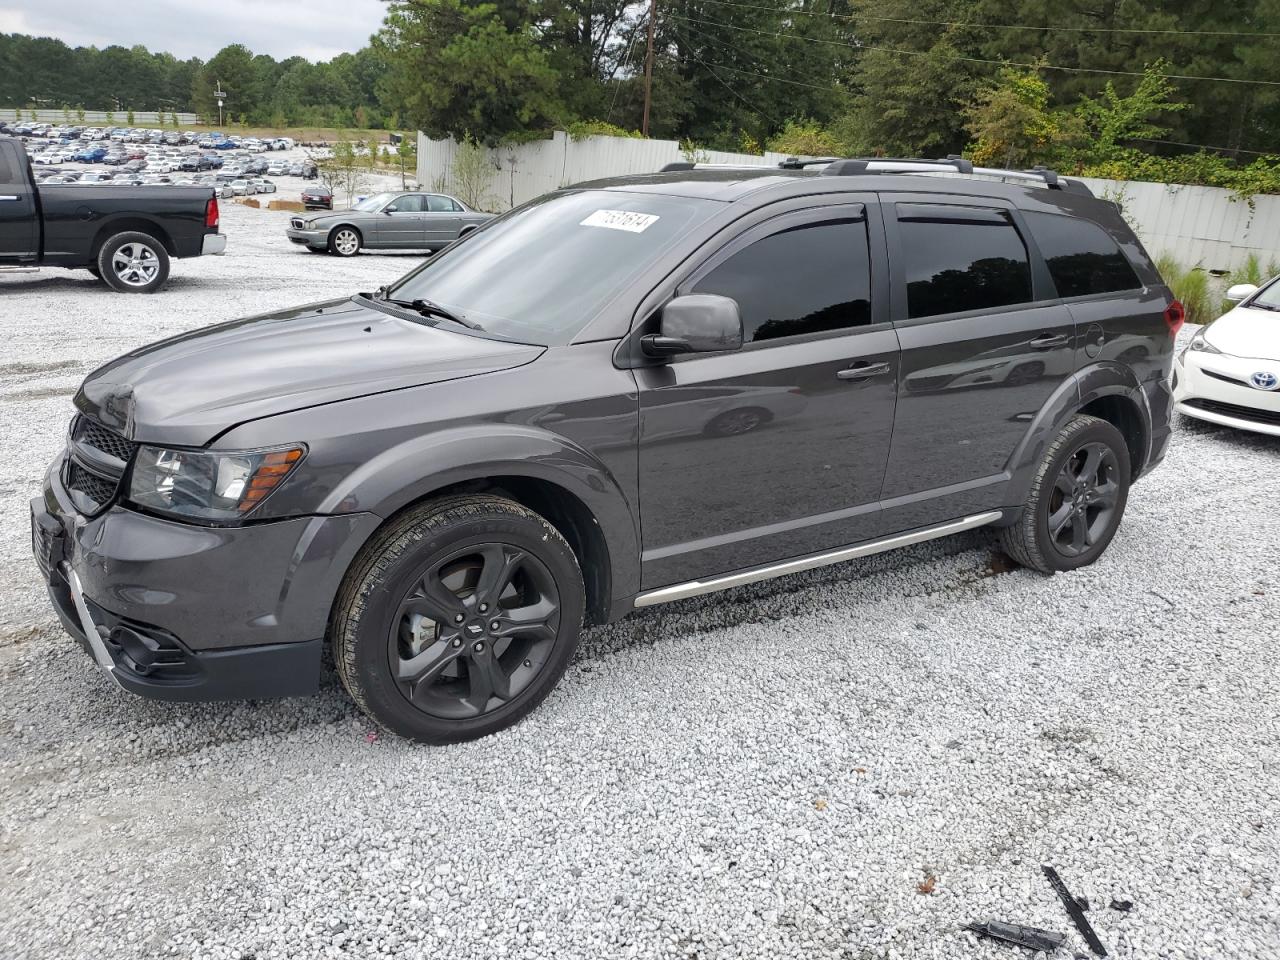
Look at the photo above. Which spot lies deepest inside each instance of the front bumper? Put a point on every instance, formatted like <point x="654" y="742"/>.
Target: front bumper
<point x="311" y="238"/>
<point x="1216" y="388"/>
<point x="184" y="612"/>
<point x="214" y="245"/>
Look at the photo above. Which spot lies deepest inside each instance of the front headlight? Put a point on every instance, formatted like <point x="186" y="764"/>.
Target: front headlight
<point x="1201" y="345"/>
<point x="209" y="485"/>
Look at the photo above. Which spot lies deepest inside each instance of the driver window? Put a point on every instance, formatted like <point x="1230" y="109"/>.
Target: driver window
<point x="805" y="279"/>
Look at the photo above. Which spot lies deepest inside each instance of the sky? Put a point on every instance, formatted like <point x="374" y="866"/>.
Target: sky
<point x="315" y="29"/>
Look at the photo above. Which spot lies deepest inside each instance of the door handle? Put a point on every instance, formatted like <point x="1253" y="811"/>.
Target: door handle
<point x="1049" y="341"/>
<point x="863" y="371"/>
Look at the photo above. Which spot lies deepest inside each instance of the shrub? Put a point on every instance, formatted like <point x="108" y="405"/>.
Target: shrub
<point x="581" y="129"/>
<point x="1190" y="285"/>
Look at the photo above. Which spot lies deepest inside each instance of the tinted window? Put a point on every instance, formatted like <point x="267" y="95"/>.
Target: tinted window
<point x="6" y="167"/>
<point x="1082" y="258"/>
<point x="955" y="265"/>
<point x="803" y="280"/>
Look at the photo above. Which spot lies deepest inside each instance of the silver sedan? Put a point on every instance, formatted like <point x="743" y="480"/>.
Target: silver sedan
<point x="399" y="221"/>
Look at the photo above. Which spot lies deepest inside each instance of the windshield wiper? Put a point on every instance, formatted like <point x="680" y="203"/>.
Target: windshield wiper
<point x="429" y="308"/>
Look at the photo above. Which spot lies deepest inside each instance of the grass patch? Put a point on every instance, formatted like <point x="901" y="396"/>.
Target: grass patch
<point x="1190" y="285"/>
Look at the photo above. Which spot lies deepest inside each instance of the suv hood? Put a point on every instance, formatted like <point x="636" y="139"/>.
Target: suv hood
<point x="188" y="389"/>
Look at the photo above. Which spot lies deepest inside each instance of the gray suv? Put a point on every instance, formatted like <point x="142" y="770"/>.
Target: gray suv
<point x="620" y="394"/>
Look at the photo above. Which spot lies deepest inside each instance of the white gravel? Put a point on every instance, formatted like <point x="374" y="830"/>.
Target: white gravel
<point x="765" y="773"/>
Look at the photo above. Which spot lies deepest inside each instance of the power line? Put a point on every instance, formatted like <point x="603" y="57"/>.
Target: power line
<point x="618" y="86"/>
<point x="1203" y="146"/>
<point x="999" y="26"/>
<point x="1003" y="63"/>
<point x="754" y="109"/>
<point x="760" y="76"/>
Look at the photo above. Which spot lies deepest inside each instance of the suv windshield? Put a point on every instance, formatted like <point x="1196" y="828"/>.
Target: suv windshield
<point x="543" y="271"/>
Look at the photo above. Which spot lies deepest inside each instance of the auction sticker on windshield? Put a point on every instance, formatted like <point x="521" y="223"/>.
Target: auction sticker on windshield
<point x="621" y="220"/>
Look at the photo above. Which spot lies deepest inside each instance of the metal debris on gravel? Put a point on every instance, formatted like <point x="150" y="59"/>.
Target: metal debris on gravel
<point x="957" y="719"/>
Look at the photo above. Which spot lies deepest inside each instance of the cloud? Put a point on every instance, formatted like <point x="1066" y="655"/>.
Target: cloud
<point x="317" y="29"/>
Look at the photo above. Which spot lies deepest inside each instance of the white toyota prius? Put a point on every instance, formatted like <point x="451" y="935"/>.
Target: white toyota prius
<point x="1230" y="372"/>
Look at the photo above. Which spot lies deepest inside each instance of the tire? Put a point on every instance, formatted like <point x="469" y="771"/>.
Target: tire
<point x="399" y="648"/>
<point x="1065" y="487"/>
<point x="133" y="263"/>
<point x="345" y="241"/>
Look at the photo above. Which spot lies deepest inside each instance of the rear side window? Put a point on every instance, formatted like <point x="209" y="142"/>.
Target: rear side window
<point x="1082" y="257"/>
<point x="438" y="204"/>
<point x="960" y="258"/>
<point x="807" y="279"/>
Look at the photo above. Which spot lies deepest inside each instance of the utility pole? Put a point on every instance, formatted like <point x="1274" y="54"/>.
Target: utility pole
<point x="648" y="68"/>
<point x="220" y="95"/>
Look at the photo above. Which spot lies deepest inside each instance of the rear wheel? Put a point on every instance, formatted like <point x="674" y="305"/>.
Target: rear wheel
<point x="458" y="619"/>
<point x="133" y="263"/>
<point x="1077" y="499"/>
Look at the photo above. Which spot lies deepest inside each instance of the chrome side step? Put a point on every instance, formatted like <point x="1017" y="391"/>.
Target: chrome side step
<point x="695" y="588"/>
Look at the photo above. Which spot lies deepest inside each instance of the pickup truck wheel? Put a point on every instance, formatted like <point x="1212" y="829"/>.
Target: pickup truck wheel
<point x="458" y="619"/>
<point x="133" y="263"/>
<point x="1077" y="499"/>
<point x="345" y="241"/>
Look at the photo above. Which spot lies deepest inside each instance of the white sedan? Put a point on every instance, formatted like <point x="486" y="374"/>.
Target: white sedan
<point x="1230" y="372"/>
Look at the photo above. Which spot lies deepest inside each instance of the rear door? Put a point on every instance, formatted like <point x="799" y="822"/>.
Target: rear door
<point x="19" y="218"/>
<point x="442" y="220"/>
<point x="985" y="343"/>
<point x="778" y="449"/>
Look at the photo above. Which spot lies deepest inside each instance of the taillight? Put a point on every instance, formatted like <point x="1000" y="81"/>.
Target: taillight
<point x="1175" y="315"/>
<point x="211" y="213"/>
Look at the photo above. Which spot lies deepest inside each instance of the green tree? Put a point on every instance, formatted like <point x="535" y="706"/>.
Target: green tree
<point x="1012" y="123"/>
<point x="458" y="67"/>
<point x="1112" y="121"/>
<point x="128" y="118"/>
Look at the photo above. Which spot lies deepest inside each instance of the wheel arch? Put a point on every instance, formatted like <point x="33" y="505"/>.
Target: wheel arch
<point x="1107" y="390"/>
<point x="350" y="226"/>
<point x="131" y="225"/>
<point x="572" y="490"/>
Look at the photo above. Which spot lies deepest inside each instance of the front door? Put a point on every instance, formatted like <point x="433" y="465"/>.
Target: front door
<point x="19" y="228"/>
<point x="985" y="343"/>
<point x="776" y="450"/>
<point x="401" y="222"/>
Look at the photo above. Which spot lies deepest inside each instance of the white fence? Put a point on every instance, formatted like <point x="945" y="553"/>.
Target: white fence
<point x="1198" y="226"/>
<point x="119" y="118"/>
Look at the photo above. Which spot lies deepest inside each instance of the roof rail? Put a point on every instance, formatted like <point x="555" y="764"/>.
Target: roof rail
<point x="854" y="166"/>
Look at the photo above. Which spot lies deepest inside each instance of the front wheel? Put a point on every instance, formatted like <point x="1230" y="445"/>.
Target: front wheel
<point x="345" y="242"/>
<point x="133" y="263"/>
<point x="1077" y="499"/>
<point x="458" y="619"/>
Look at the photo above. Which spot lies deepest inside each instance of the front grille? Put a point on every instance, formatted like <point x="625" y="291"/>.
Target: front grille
<point x="100" y="438"/>
<point x="1252" y="414"/>
<point x="96" y="463"/>
<point x="1222" y="376"/>
<point x="97" y="490"/>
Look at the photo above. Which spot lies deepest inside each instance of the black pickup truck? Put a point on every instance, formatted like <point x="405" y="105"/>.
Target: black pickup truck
<point x="125" y="236"/>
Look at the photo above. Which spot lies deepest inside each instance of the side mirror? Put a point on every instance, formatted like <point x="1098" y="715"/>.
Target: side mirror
<point x="696" y="323"/>
<point x="1241" y="291"/>
<point x="388" y="210"/>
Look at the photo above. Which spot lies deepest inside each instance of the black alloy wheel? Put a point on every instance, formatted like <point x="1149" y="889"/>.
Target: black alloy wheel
<point x="1083" y="503"/>
<point x="458" y="618"/>
<point x="474" y="631"/>
<point x="1076" y="501"/>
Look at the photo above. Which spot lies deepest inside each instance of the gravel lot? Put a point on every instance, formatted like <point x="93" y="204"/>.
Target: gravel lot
<point x="770" y="772"/>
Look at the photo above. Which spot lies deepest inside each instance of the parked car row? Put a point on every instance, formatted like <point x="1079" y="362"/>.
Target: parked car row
<point x="164" y="159"/>
<point x="214" y="140"/>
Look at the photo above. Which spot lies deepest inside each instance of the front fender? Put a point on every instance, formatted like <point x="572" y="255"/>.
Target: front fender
<point x="422" y="465"/>
<point x="1088" y="384"/>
